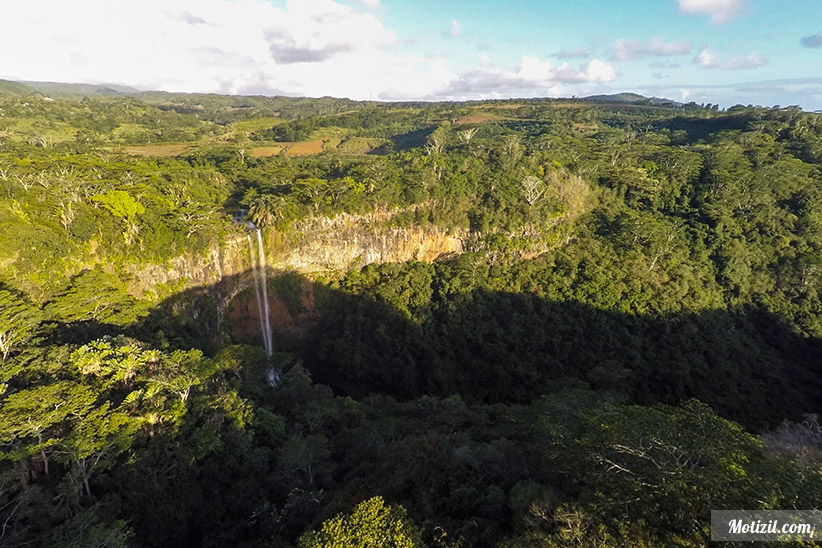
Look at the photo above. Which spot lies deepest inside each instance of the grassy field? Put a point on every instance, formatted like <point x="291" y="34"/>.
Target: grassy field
<point x="23" y="129"/>
<point x="359" y="145"/>
<point x="262" y="152"/>
<point x="324" y="139"/>
<point x="477" y="119"/>
<point x="256" y="123"/>
<point x="301" y="148"/>
<point x="305" y="148"/>
<point x="159" y="151"/>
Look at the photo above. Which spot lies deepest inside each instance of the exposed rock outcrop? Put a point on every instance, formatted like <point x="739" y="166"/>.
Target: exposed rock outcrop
<point x="345" y="241"/>
<point x="318" y="245"/>
<point x="315" y="245"/>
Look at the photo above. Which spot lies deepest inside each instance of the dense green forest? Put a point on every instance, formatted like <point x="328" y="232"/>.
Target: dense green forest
<point x="629" y="337"/>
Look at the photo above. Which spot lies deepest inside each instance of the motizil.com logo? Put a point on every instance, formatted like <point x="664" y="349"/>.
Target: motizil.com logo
<point x="766" y="525"/>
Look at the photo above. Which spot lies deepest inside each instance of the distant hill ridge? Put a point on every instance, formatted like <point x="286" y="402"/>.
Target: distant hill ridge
<point x="15" y="88"/>
<point x="64" y="89"/>
<point x="82" y="89"/>
<point x="633" y="98"/>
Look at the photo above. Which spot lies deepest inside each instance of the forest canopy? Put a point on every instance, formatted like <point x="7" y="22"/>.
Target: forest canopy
<point x="628" y="335"/>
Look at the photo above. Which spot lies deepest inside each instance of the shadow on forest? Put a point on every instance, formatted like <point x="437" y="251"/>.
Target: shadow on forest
<point x="699" y="128"/>
<point x="411" y="139"/>
<point x="215" y="483"/>
<point x="500" y="347"/>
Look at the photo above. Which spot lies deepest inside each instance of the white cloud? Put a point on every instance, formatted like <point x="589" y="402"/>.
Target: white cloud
<point x="455" y="29"/>
<point x="720" y="11"/>
<point x="312" y="31"/>
<point x="532" y="69"/>
<point x="812" y="41"/>
<point x="707" y="59"/>
<point x="531" y="78"/>
<point x="573" y="53"/>
<point x="191" y="19"/>
<point x="710" y="60"/>
<point x="628" y="50"/>
<point x="664" y="64"/>
<point x="368" y="4"/>
<point x="307" y="47"/>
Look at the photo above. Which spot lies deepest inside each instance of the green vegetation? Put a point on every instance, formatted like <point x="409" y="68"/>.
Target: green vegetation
<point x="630" y="337"/>
<point x="370" y="525"/>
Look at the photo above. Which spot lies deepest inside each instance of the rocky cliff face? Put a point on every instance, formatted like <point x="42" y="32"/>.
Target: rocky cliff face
<point x="229" y="259"/>
<point x="321" y="245"/>
<point x="345" y="241"/>
<point x="315" y="245"/>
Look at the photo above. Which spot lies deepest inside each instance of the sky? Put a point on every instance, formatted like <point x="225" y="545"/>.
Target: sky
<point x="727" y="52"/>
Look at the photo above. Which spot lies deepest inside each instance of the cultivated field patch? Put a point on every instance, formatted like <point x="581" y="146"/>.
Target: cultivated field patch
<point x="305" y="148"/>
<point x="158" y="151"/>
<point x="476" y="119"/>
<point x="262" y="152"/>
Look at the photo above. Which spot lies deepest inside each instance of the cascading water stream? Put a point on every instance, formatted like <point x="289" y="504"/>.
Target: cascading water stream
<point x="261" y="291"/>
<point x="264" y="288"/>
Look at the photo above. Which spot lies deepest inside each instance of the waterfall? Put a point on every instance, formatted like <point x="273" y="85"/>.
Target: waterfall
<point x="269" y="349"/>
<point x="258" y="270"/>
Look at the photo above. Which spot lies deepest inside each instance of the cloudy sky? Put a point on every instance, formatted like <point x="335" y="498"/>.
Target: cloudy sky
<point x="762" y="52"/>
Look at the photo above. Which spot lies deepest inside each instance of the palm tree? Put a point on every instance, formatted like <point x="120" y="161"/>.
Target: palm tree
<point x="263" y="209"/>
